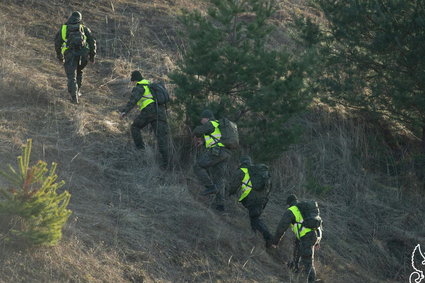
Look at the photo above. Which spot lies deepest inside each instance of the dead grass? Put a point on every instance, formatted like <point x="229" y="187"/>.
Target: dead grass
<point x="133" y="223"/>
<point x="364" y="206"/>
<point x="72" y="261"/>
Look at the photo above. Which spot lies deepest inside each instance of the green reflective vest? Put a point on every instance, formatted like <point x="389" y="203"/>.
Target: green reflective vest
<point x="298" y="229"/>
<point x="65" y="40"/>
<point x="246" y="184"/>
<point x="213" y="139"/>
<point x="147" y="97"/>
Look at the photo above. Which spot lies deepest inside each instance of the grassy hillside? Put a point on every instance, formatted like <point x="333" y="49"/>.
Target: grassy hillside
<point x="133" y="223"/>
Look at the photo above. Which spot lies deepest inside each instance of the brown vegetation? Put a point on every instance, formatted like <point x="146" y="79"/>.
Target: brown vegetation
<point x="133" y="223"/>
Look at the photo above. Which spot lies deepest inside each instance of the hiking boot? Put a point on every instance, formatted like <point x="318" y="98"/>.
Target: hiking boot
<point x="74" y="100"/>
<point x="210" y="189"/>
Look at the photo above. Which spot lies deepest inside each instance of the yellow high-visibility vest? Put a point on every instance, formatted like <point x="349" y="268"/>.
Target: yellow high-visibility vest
<point x="246" y="184"/>
<point x="298" y="229"/>
<point x="65" y="40"/>
<point x="213" y="139"/>
<point x="147" y="97"/>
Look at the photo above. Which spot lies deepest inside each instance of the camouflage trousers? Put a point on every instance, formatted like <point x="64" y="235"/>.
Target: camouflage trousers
<point x="210" y="168"/>
<point x="255" y="210"/>
<point x="158" y="121"/>
<point x="304" y="254"/>
<point x="74" y="65"/>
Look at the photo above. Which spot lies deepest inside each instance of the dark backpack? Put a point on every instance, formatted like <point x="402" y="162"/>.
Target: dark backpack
<point x="229" y="133"/>
<point x="159" y="92"/>
<point x="76" y="38"/>
<point x="310" y="212"/>
<point x="260" y="177"/>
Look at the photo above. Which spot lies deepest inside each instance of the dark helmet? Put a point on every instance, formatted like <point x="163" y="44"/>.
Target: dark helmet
<point x="207" y="114"/>
<point x="75" y="17"/>
<point x="291" y="200"/>
<point x="136" y="76"/>
<point x="245" y="160"/>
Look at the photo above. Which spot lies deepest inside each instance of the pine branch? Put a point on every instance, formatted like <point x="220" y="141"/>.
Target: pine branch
<point x="35" y="202"/>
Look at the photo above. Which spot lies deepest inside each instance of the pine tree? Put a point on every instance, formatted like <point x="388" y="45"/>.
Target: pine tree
<point x="372" y="57"/>
<point x="32" y="210"/>
<point x="229" y="67"/>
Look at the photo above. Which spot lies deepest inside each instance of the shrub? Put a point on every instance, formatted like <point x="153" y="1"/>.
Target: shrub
<point x="31" y="210"/>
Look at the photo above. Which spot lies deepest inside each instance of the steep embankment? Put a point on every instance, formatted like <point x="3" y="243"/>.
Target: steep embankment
<point x="132" y="222"/>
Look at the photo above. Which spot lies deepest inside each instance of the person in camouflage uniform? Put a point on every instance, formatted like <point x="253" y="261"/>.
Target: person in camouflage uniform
<point x="75" y="59"/>
<point x="212" y="160"/>
<point x="150" y="113"/>
<point x="253" y="199"/>
<point x="304" y="242"/>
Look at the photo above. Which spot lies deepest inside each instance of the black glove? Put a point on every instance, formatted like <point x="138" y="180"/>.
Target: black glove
<point x="91" y="58"/>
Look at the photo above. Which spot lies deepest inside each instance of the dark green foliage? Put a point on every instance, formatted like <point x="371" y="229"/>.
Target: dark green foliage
<point x="372" y="56"/>
<point x="228" y="67"/>
<point x="32" y="211"/>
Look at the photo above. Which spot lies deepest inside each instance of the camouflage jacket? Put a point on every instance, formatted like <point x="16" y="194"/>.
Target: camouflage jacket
<point x="204" y="129"/>
<point x="287" y="219"/>
<point x="235" y="182"/>
<point x="255" y="198"/>
<point x="136" y="94"/>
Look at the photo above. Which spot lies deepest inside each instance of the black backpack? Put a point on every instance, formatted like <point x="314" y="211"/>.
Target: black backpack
<point x="159" y="92"/>
<point x="310" y="212"/>
<point x="260" y="177"/>
<point x="76" y="38"/>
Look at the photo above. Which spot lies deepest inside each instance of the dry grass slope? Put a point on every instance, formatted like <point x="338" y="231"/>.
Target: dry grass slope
<point x="133" y="223"/>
